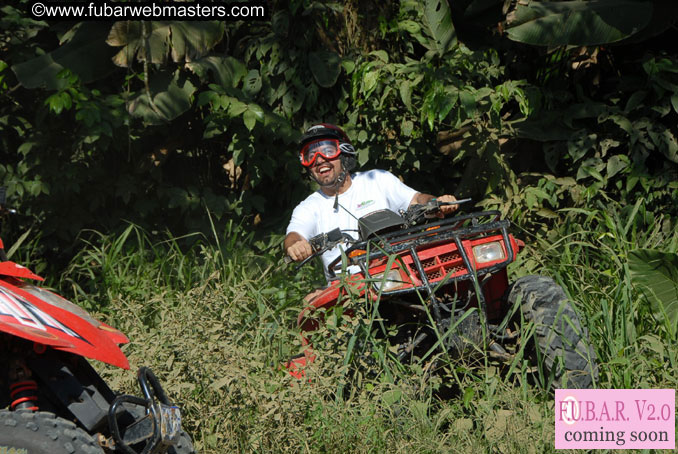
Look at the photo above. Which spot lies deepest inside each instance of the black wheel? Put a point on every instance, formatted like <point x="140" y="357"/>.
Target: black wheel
<point x="564" y="348"/>
<point x="43" y="433"/>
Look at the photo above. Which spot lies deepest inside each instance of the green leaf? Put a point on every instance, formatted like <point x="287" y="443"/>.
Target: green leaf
<point x="236" y="107"/>
<point x="226" y="71"/>
<point x="88" y="39"/>
<point x="469" y="393"/>
<point x="655" y="274"/>
<point x="577" y="22"/>
<point x="190" y="40"/>
<point x="370" y="80"/>
<point x="669" y="146"/>
<point x="438" y="19"/>
<point x="546" y="213"/>
<point x="391" y="397"/>
<point x="249" y="118"/>
<point x="616" y="164"/>
<point x="252" y="83"/>
<point x="406" y="93"/>
<point x="450" y="100"/>
<point x="58" y="102"/>
<point x="635" y="100"/>
<point x="238" y="156"/>
<point x="414" y="29"/>
<point x="407" y="127"/>
<point x="26" y="147"/>
<point x="409" y="26"/>
<point x="674" y="102"/>
<point x="325" y="67"/>
<point x="257" y="111"/>
<point x="363" y="156"/>
<point x="17" y="243"/>
<point x="362" y="136"/>
<point x="170" y="97"/>
<point x="348" y="65"/>
<point x="381" y="55"/>
<point x="468" y="102"/>
<point x="292" y="101"/>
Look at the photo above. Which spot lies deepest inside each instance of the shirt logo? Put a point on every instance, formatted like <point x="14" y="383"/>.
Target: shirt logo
<point x="364" y="204"/>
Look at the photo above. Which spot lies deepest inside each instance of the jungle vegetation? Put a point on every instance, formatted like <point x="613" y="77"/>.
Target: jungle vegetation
<point x="154" y="168"/>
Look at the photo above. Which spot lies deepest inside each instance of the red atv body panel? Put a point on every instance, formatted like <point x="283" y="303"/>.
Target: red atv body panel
<point x="441" y="261"/>
<point x="38" y="315"/>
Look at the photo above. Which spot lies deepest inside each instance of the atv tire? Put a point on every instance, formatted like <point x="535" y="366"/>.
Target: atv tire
<point x="559" y="334"/>
<point x="43" y="433"/>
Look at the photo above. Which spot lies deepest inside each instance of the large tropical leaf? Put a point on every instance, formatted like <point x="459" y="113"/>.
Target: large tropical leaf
<point x="438" y="20"/>
<point x="170" y="96"/>
<point x="226" y="71"/>
<point x="577" y="22"/>
<point x="84" y="54"/>
<point x="655" y="274"/>
<point x="154" y="41"/>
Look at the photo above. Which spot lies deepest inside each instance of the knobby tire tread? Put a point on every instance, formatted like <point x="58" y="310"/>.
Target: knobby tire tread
<point x="558" y="331"/>
<point x="45" y="431"/>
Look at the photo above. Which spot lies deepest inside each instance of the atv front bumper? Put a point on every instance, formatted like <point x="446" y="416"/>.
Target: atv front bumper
<point x="154" y="431"/>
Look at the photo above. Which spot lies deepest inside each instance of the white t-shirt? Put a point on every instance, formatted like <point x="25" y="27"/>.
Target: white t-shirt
<point x="369" y="191"/>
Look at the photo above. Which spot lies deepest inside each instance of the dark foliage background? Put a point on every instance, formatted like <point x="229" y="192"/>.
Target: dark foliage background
<point x="178" y="125"/>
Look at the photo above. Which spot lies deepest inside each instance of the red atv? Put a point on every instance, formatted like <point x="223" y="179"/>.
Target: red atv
<point x="443" y="284"/>
<point x="52" y="400"/>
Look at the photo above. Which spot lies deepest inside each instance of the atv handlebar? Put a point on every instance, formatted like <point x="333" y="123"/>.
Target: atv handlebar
<point x="322" y="243"/>
<point x="418" y="212"/>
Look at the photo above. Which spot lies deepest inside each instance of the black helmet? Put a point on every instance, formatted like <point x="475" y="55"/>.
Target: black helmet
<point x="324" y="130"/>
<point x="312" y="141"/>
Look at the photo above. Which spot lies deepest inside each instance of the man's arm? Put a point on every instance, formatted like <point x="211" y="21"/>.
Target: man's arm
<point x="297" y="247"/>
<point x="421" y="199"/>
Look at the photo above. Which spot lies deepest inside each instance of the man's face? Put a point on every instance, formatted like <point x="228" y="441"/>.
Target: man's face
<point x="326" y="171"/>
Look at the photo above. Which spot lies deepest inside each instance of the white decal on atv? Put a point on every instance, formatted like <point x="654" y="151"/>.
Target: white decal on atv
<point x="28" y="315"/>
<point x="10" y="305"/>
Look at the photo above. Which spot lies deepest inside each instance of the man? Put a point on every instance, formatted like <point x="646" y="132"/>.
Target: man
<point x="328" y="156"/>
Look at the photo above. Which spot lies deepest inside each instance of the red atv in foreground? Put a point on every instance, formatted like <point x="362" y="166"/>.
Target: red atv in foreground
<point x="443" y="284"/>
<point x="51" y="399"/>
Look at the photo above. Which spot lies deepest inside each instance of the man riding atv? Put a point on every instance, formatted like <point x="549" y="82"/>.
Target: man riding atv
<point x="329" y="157"/>
<point x="441" y="284"/>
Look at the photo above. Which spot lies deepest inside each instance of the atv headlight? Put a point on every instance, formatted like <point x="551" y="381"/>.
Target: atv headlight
<point x="489" y="252"/>
<point x="393" y="281"/>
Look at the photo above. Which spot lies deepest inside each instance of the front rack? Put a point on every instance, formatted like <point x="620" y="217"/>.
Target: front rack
<point x="482" y="224"/>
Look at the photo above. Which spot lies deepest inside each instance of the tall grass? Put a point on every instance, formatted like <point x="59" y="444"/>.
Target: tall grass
<point x="216" y="320"/>
<point x="590" y="260"/>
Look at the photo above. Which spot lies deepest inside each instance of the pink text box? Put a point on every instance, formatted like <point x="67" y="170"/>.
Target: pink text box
<point x="615" y="418"/>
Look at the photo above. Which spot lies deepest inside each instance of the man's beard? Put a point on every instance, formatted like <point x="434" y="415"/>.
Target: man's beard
<point x="336" y="182"/>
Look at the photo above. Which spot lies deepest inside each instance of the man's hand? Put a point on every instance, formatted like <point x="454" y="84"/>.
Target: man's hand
<point x="423" y="199"/>
<point x="447" y="209"/>
<point x="297" y="247"/>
